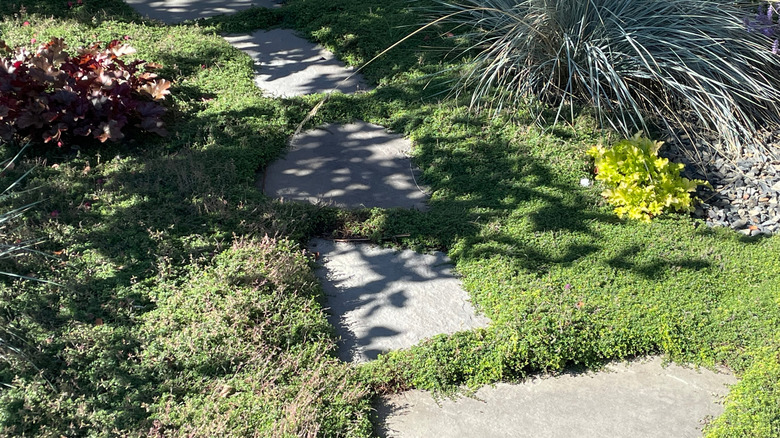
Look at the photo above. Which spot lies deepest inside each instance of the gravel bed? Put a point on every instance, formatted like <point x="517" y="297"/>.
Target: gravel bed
<point x="745" y="193"/>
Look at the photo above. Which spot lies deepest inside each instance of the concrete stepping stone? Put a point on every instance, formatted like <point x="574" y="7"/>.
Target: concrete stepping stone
<point x="287" y="65"/>
<point x="381" y="299"/>
<point x="638" y="399"/>
<point x="175" y="11"/>
<point x="353" y="165"/>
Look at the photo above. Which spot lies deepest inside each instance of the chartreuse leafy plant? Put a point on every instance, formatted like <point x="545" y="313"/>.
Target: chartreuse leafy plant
<point x="640" y="184"/>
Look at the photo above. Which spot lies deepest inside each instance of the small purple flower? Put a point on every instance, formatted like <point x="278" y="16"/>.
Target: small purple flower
<point x="567" y="286"/>
<point x="775" y="47"/>
<point x="764" y="22"/>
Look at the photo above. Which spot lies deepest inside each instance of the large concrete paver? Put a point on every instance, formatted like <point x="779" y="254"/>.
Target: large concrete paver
<point x="641" y="399"/>
<point x="353" y="165"/>
<point x="287" y="65"/>
<point x="381" y="299"/>
<point x="175" y="11"/>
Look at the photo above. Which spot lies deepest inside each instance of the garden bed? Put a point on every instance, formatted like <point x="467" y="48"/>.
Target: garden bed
<point x="169" y="312"/>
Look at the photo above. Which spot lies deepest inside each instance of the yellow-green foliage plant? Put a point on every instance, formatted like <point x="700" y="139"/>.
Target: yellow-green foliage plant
<point x="639" y="183"/>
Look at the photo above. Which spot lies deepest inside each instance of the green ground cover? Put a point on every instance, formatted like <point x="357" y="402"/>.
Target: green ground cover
<point x="174" y="315"/>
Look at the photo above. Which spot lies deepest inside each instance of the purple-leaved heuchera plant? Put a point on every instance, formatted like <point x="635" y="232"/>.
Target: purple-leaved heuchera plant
<point x="53" y="95"/>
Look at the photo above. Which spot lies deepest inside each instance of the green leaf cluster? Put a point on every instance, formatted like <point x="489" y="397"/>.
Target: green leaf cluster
<point x="640" y="184"/>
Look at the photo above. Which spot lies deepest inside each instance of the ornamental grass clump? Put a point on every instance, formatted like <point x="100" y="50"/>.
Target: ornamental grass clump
<point x="689" y="66"/>
<point x="10" y="245"/>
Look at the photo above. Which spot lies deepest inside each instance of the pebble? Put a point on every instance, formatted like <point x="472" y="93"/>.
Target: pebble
<point x="746" y="192"/>
<point x="739" y="223"/>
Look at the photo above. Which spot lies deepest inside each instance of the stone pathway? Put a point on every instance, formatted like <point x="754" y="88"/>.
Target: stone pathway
<point x="287" y="65"/>
<point x="353" y="165"/>
<point x="175" y="11"/>
<point x="382" y="299"/>
<point x="639" y="399"/>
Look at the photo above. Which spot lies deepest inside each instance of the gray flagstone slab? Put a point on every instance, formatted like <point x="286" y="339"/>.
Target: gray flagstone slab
<point x="637" y="399"/>
<point x="175" y="11"/>
<point x="287" y="65"/>
<point x="381" y="299"/>
<point x="353" y="165"/>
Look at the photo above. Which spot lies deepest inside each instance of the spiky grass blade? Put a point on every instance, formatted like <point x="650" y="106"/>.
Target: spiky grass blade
<point x="687" y="65"/>
<point x="9" y="246"/>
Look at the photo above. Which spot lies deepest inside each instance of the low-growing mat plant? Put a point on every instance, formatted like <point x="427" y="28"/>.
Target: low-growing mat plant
<point x="180" y="317"/>
<point x="690" y="66"/>
<point x="751" y="408"/>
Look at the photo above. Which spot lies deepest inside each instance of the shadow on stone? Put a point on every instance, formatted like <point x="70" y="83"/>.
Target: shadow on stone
<point x="353" y="165"/>
<point x="287" y="65"/>
<point x="175" y="11"/>
<point x="381" y="299"/>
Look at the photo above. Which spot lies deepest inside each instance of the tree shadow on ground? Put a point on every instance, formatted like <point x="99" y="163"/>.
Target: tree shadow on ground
<point x="656" y="269"/>
<point x="492" y="195"/>
<point x="176" y="11"/>
<point x="151" y="212"/>
<point x="88" y="12"/>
